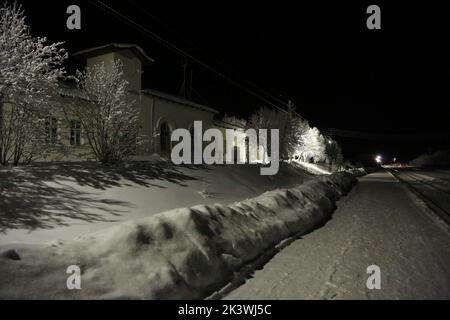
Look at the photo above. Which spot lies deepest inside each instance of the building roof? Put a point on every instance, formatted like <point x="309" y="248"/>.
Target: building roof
<point x="179" y="100"/>
<point x="227" y="125"/>
<point x="69" y="88"/>
<point x="115" y="47"/>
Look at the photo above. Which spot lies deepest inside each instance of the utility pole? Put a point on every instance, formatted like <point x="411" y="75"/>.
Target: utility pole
<point x="186" y="85"/>
<point x="287" y="129"/>
<point x="290" y="108"/>
<point x="189" y="93"/>
<point x="182" y="92"/>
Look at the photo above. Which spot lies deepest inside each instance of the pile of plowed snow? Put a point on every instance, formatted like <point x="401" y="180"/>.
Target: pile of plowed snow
<point x="177" y="254"/>
<point x="358" y="172"/>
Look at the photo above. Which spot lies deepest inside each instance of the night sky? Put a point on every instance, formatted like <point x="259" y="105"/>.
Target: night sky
<point x="338" y="73"/>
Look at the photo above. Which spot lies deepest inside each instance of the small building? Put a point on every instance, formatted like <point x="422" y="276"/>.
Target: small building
<point x="161" y="113"/>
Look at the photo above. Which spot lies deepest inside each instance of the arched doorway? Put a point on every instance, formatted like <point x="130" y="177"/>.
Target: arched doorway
<point x="165" y="137"/>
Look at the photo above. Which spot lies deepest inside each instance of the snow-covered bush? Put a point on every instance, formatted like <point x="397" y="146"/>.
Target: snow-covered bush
<point x="110" y="119"/>
<point x="29" y="74"/>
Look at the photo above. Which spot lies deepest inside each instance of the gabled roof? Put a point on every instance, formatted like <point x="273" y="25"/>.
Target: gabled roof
<point x="115" y="47"/>
<point x="179" y="100"/>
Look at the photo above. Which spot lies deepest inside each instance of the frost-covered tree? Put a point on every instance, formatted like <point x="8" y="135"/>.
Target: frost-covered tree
<point x="291" y="127"/>
<point x="296" y="127"/>
<point x="238" y="122"/>
<point x="266" y="118"/>
<point x="312" y="146"/>
<point x="29" y="74"/>
<point x="297" y="138"/>
<point x="108" y="116"/>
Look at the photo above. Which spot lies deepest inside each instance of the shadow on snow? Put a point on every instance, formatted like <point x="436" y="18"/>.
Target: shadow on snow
<point x="40" y="196"/>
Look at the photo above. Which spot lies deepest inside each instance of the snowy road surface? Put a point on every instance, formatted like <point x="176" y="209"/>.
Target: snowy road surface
<point x="380" y="222"/>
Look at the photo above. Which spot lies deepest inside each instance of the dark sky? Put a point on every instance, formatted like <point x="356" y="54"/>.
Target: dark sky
<point x="322" y="57"/>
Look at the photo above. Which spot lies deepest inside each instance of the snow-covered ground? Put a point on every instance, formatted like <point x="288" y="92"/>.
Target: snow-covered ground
<point x="60" y="201"/>
<point x="379" y="223"/>
<point x="182" y="253"/>
<point x="438" y="159"/>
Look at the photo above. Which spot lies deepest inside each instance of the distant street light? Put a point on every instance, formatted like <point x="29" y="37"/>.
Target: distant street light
<point x="378" y="159"/>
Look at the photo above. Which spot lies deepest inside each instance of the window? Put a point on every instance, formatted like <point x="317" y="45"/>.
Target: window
<point x="165" y="137"/>
<point x="51" y="130"/>
<point x="75" y="133"/>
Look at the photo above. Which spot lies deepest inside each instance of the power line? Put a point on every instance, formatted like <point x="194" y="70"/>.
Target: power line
<point x="193" y="44"/>
<point x="423" y="136"/>
<point x="180" y="51"/>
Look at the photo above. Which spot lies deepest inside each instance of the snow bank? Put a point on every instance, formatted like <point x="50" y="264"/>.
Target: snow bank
<point x="438" y="159"/>
<point x="62" y="200"/>
<point x="323" y="169"/>
<point x="358" y="172"/>
<point x="189" y="253"/>
<point x="312" y="168"/>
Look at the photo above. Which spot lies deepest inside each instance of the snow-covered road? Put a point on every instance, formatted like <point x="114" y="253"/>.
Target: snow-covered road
<point x="432" y="186"/>
<point x="379" y="223"/>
